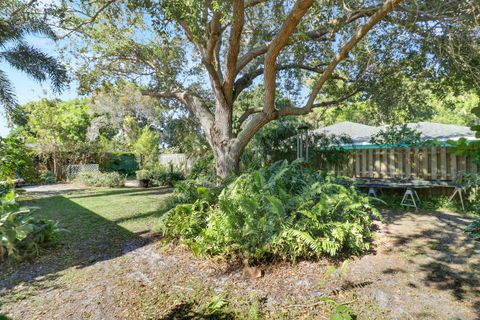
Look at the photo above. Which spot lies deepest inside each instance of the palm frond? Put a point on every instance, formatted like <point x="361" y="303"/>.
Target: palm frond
<point x="19" y="19"/>
<point x="37" y="64"/>
<point x="35" y="25"/>
<point x="7" y="95"/>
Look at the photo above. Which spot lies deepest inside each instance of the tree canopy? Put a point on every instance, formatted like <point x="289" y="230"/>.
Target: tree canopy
<point x="204" y="55"/>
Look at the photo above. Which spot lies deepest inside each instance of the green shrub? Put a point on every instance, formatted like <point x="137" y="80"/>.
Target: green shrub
<point x="16" y="159"/>
<point x="166" y="179"/>
<point x="21" y="234"/>
<point x="46" y="177"/>
<point x="286" y="211"/>
<point x="186" y="191"/>
<point x="122" y="162"/>
<point x="203" y="169"/>
<point x="471" y="183"/>
<point x="143" y="174"/>
<point x="159" y="175"/>
<point x="101" y="179"/>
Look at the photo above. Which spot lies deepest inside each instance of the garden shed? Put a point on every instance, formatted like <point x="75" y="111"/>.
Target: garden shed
<point x="394" y="161"/>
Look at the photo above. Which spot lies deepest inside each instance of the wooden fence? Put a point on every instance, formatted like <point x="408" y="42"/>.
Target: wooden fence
<point x="177" y="160"/>
<point x="430" y="163"/>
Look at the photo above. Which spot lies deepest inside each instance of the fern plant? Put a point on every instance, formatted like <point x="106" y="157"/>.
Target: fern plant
<point x="284" y="211"/>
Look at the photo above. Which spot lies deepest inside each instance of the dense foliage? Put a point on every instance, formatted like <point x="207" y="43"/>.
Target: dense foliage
<point x="277" y="141"/>
<point x="203" y="168"/>
<point x="101" y="179"/>
<point x="15" y="158"/>
<point x="146" y="147"/>
<point x="119" y="135"/>
<point x="158" y="175"/>
<point x="21" y="233"/>
<point x="57" y="132"/>
<point x="464" y="147"/>
<point x="397" y="134"/>
<point x="284" y="211"/>
<point x="122" y="162"/>
<point x="471" y="183"/>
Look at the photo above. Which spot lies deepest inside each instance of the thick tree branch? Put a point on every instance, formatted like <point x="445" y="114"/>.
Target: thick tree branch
<point x="328" y="103"/>
<point x="216" y="58"/>
<point x="192" y="102"/>
<point x="206" y="61"/>
<point x="316" y="34"/>
<point x="215" y="31"/>
<point x="246" y="80"/>
<point x="191" y="38"/>
<point x="253" y="3"/>
<point x="234" y="49"/>
<point x="386" y="8"/>
<point x="247" y="114"/>
<point x="279" y="42"/>
<point x="249" y="130"/>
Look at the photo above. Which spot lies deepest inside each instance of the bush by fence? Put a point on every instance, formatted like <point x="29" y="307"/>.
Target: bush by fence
<point x="101" y="179"/>
<point x="124" y="163"/>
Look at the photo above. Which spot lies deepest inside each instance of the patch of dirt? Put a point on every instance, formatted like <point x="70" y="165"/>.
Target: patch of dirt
<point x="65" y="188"/>
<point x="423" y="267"/>
<point x="52" y="189"/>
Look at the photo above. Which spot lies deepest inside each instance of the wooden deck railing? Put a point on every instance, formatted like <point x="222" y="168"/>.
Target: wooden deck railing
<point x="429" y="163"/>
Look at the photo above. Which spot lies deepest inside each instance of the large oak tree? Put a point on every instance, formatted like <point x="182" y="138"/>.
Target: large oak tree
<point x="203" y="55"/>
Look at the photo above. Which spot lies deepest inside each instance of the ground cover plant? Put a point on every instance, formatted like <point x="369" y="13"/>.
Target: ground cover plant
<point x="22" y="234"/>
<point x="101" y="179"/>
<point x="285" y="211"/>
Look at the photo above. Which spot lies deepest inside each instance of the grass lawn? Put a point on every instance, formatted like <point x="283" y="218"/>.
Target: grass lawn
<point x="97" y="224"/>
<point x="130" y="210"/>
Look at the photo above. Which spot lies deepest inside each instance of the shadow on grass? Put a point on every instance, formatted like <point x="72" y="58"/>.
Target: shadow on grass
<point x="441" y="250"/>
<point x="86" y="238"/>
<point x="123" y="191"/>
<point x="150" y="214"/>
<point x="186" y="310"/>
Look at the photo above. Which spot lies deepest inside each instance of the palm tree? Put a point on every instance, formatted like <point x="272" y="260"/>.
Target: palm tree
<point x="17" y="20"/>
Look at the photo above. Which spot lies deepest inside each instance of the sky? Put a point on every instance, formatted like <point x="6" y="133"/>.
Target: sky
<point x="27" y="89"/>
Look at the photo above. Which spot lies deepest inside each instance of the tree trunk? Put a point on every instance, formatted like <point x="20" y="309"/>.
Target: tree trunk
<point x="226" y="162"/>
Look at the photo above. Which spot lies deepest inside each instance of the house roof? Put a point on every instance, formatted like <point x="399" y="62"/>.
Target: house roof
<point x="361" y="134"/>
<point x="440" y="131"/>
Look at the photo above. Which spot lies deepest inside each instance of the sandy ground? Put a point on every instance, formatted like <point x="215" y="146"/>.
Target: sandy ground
<point x="53" y="188"/>
<point x="62" y="188"/>
<point x="423" y="267"/>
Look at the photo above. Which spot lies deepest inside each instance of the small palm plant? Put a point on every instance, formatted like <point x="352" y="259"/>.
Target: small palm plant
<point x="17" y="21"/>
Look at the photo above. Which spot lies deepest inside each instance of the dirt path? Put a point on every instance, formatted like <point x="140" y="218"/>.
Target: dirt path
<point x="423" y="267"/>
<point x="65" y="188"/>
<point x="50" y="189"/>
